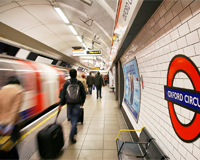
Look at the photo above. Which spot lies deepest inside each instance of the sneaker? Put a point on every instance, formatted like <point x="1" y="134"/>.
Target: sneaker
<point x="100" y="97"/>
<point x="73" y="140"/>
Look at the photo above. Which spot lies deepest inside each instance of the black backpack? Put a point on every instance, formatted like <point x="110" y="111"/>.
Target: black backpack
<point x="73" y="92"/>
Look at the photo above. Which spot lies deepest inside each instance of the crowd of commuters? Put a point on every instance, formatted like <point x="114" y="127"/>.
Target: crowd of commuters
<point x="73" y="94"/>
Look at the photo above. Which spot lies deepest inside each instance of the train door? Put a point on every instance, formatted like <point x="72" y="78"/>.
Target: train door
<point x="50" y="84"/>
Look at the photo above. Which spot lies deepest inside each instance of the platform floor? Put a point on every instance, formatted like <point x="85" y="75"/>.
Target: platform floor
<point x="95" y="138"/>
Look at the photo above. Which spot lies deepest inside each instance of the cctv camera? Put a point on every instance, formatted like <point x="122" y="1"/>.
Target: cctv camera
<point x="96" y="41"/>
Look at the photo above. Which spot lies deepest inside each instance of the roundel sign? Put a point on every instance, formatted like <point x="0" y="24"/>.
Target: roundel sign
<point x="187" y="98"/>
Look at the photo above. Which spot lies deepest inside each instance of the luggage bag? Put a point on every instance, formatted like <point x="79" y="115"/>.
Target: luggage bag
<point x="81" y="115"/>
<point x="50" y="140"/>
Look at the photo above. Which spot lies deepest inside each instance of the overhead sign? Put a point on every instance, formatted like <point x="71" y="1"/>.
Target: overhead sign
<point x="87" y="52"/>
<point x="78" y="52"/>
<point x="94" y="52"/>
<point x="95" y="67"/>
<point x="186" y="98"/>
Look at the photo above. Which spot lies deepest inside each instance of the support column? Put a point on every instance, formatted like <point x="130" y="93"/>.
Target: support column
<point x="120" y="84"/>
<point x="116" y="81"/>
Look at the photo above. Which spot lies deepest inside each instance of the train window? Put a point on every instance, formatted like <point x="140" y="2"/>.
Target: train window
<point x="23" y="72"/>
<point x="6" y="70"/>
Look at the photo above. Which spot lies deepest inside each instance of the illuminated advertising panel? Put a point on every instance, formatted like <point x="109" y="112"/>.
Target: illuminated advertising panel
<point x="132" y="88"/>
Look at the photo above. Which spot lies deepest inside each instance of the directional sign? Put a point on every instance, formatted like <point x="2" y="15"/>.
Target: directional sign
<point x="94" y="52"/>
<point x="87" y="52"/>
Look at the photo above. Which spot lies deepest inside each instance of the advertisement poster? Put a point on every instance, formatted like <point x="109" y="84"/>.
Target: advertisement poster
<point x="132" y="87"/>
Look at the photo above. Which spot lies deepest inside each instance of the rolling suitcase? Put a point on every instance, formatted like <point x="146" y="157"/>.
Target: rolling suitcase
<point x="50" y="140"/>
<point x="81" y="115"/>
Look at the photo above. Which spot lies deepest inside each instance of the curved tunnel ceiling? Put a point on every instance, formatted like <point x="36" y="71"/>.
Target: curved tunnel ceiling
<point x="39" y="20"/>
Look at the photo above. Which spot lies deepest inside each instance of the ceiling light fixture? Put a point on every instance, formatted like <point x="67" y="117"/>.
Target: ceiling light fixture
<point x="79" y="38"/>
<point x="61" y="14"/>
<point x="88" y="2"/>
<point x="84" y="45"/>
<point x="72" y="29"/>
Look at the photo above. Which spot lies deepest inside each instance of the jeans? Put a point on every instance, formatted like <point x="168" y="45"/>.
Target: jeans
<point x="68" y="113"/>
<point x="98" y="90"/>
<point x="90" y="89"/>
<point x="74" y="110"/>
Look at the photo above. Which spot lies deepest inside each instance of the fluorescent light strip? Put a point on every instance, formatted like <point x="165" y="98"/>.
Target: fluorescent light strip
<point x="79" y="38"/>
<point x="84" y="45"/>
<point x="62" y="15"/>
<point x="72" y="29"/>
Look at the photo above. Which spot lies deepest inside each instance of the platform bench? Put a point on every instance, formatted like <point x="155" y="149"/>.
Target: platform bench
<point x="113" y="88"/>
<point x="145" y="148"/>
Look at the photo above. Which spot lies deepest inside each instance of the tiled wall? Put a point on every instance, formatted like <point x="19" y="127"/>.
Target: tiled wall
<point x="173" y="29"/>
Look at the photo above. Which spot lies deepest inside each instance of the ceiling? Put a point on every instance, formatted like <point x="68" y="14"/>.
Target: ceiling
<point x="39" y="20"/>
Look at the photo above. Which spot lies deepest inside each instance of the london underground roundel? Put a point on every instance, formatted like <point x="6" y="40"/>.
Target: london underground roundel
<point x="187" y="98"/>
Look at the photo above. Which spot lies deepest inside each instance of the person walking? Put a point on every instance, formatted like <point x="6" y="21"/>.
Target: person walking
<point x="73" y="94"/>
<point x="90" y="82"/>
<point x="98" y="82"/>
<point x="10" y="102"/>
<point x="83" y="80"/>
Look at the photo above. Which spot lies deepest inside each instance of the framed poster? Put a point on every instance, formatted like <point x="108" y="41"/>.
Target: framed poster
<point x="132" y="88"/>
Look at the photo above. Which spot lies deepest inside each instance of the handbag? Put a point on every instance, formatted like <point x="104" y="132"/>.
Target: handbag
<point x="93" y="87"/>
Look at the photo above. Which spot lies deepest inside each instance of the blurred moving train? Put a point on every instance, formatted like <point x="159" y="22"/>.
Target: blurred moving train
<point x="41" y="83"/>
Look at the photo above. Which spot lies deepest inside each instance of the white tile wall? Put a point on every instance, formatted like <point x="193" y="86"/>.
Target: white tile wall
<point x="177" y="8"/>
<point x="168" y="28"/>
<point x="174" y="35"/>
<point x="173" y="29"/>
<point x="166" y="49"/>
<point x="196" y="152"/>
<point x="185" y="15"/>
<point x="194" y="22"/>
<point x="162" y="10"/>
<point x="189" y="156"/>
<point x="195" y="7"/>
<point x="183" y="29"/>
<point x="181" y="42"/>
<point x="182" y="150"/>
<point x="177" y="154"/>
<point x="176" y="22"/>
<point x="168" y="16"/>
<point x="168" y="4"/>
<point x="185" y="3"/>
<point x="173" y="46"/>
<point x="189" y="51"/>
<point x="192" y="38"/>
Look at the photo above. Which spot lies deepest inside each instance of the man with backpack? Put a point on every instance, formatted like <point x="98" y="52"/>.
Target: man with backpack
<point x="73" y="94"/>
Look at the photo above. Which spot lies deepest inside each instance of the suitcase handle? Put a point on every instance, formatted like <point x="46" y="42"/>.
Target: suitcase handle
<point x="57" y="116"/>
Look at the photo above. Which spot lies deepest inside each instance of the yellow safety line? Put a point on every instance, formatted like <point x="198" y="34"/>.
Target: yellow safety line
<point x="34" y="128"/>
<point x="128" y="130"/>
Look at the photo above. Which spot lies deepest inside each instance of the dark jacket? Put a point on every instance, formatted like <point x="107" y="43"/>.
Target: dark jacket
<point x="90" y="80"/>
<point x="63" y="93"/>
<point x="98" y="81"/>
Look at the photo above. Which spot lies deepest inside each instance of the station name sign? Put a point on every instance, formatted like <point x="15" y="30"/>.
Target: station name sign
<point x="87" y="52"/>
<point x="189" y="99"/>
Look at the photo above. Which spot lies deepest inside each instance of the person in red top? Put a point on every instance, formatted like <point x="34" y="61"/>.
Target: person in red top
<point x="106" y="79"/>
